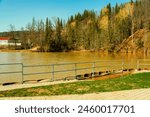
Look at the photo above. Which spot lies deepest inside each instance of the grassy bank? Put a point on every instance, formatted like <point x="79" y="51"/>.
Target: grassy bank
<point x="135" y="81"/>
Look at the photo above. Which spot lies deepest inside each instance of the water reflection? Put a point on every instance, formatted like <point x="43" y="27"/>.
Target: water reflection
<point x="61" y="57"/>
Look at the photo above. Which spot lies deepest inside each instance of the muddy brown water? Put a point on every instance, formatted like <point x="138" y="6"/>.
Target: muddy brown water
<point x="29" y="58"/>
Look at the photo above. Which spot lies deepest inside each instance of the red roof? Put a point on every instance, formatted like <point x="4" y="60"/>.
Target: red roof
<point x="4" y="38"/>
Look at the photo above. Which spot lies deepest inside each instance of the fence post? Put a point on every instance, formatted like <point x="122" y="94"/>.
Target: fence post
<point x="122" y="65"/>
<point x="107" y="66"/>
<point x="53" y="72"/>
<point x="75" y="69"/>
<point x="93" y="68"/>
<point x="138" y="62"/>
<point x="22" y="79"/>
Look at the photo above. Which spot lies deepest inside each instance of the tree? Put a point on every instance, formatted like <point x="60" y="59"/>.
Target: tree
<point x="131" y="1"/>
<point x="32" y="33"/>
<point x="116" y="8"/>
<point x="12" y="31"/>
<point x="110" y="28"/>
<point x="48" y="36"/>
<point x="70" y="37"/>
<point x="23" y="37"/>
<point x="58" y="42"/>
<point x="40" y="33"/>
<point x="12" y="34"/>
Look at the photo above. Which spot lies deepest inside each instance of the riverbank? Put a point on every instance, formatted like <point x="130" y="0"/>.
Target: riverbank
<point x="96" y="55"/>
<point x="8" y="50"/>
<point x="33" y="83"/>
<point x="78" y="51"/>
<point x="34" y="50"/>
<point x="130" y="82"/>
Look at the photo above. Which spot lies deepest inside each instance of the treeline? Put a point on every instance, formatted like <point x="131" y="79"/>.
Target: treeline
<point x="87" y="30"/>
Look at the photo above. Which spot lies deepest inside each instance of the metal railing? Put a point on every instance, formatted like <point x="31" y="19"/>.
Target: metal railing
<point x="54" y="71"/>
<point x="143" y="63"/>
<point x="20" y="71"/>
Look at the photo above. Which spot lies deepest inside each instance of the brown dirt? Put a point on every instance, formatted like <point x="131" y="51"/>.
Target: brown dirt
<point x="130" y="44"/>
<point x="111" y="76"/>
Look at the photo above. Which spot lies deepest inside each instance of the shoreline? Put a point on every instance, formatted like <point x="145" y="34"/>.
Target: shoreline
<point x="8" y="50"/>
<point x="126" y="94"/>
<point x="74" y="51"/>
<point x="30" y="50"/>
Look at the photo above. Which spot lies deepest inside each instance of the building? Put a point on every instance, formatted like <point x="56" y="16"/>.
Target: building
<point x="6" y="42"/>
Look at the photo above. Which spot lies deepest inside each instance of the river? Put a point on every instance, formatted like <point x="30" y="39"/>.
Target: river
<point x="31" y="58"/>
<point x="61" y="57"/>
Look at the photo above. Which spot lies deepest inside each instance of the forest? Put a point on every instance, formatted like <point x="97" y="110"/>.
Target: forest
<point x="89" y="30"/>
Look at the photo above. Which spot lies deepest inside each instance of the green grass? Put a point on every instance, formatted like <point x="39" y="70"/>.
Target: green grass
<point x="135" y="81"/>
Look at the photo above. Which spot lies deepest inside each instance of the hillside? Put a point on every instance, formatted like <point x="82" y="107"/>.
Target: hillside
<point x="110" y="30"/>
<point x="138" y="42"/>
<point x="122" y="12"/>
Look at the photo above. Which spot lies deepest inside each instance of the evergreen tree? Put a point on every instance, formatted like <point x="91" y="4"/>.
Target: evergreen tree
<point x="116" y="8"/>
<point x="131" y="1"/>
<point x="48" y="35"/>
<point x="40" y="33"/>
<point x="58" y="46"/>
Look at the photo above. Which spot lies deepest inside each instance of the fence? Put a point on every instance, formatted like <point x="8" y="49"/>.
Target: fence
<point x="143" y="64"/>
<point x="10" y="69"/>
<point x="53" y="72"/>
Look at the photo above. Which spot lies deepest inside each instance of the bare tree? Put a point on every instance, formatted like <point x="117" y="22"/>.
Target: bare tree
<point x="12" y="34"/>
<point x="12" y="31"/>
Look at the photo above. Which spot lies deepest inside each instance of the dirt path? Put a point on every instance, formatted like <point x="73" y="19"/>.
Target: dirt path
<point x="137" y="94"/>
<point x="28" y="85"/>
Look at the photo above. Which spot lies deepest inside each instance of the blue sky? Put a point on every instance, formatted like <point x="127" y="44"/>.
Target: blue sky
<point x="21" y="12"/>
